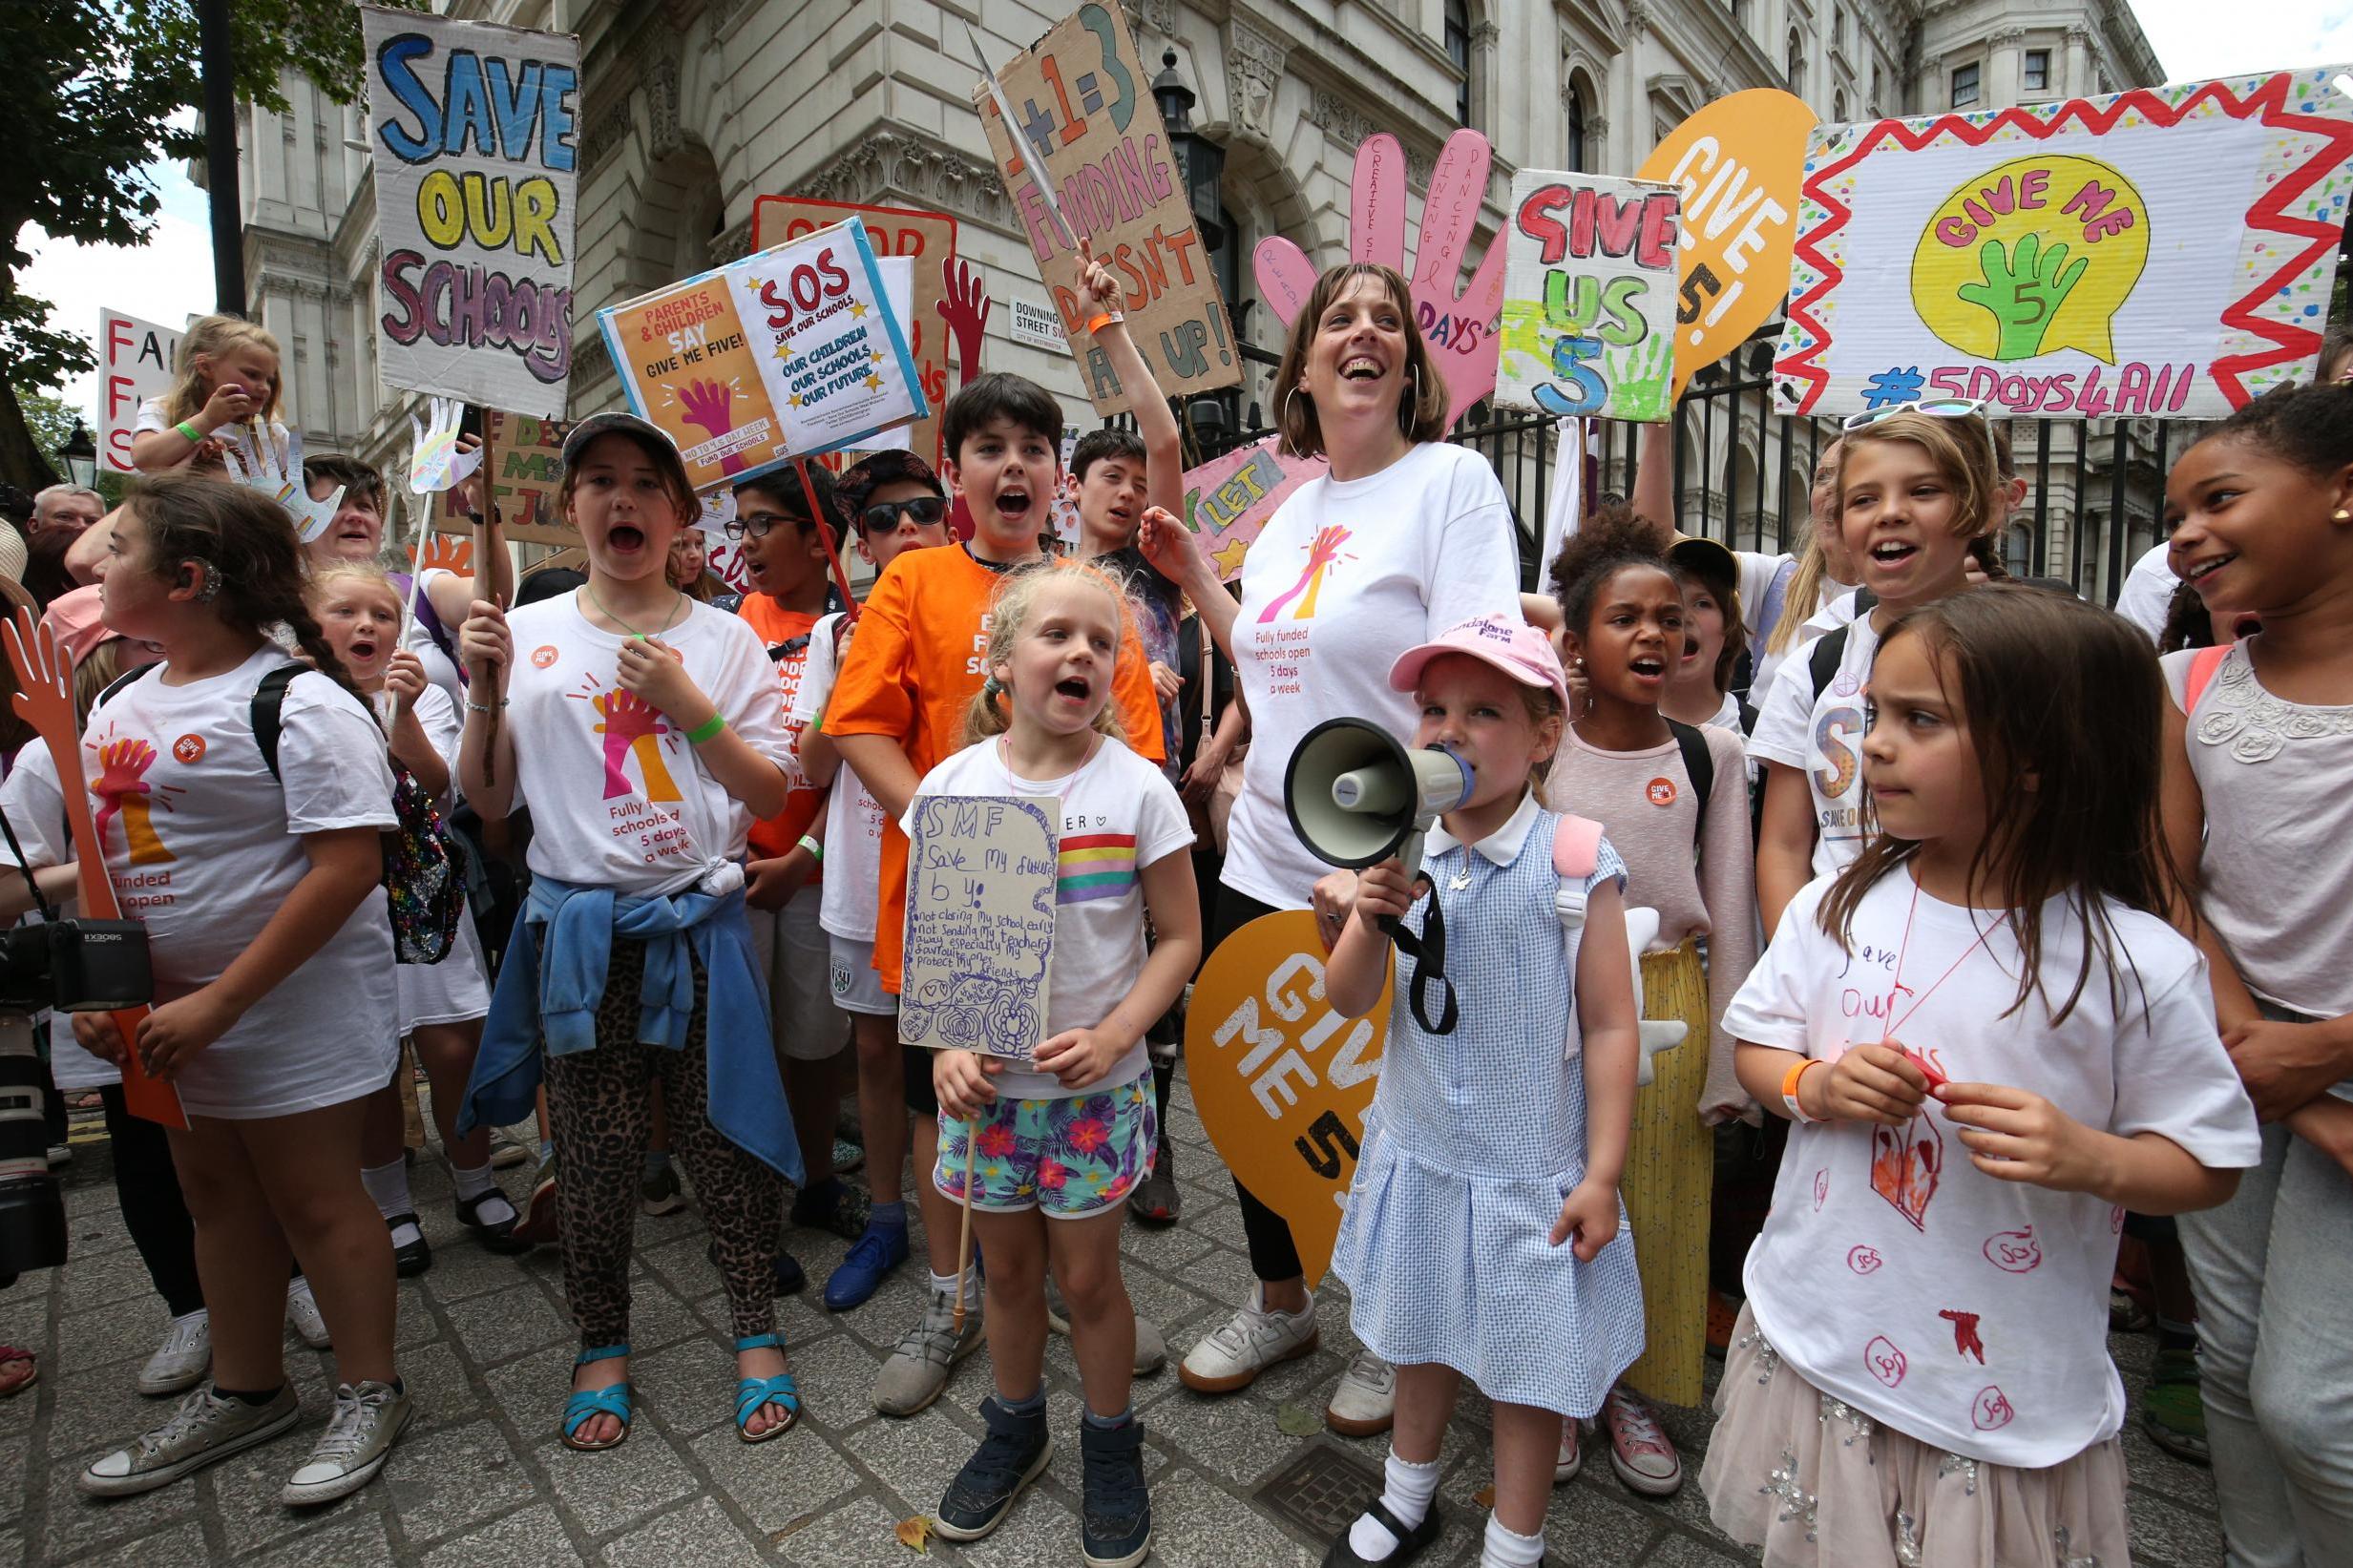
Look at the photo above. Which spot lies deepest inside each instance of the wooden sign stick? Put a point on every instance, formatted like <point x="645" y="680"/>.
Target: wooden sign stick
<point x="825" y="535"/>
<point x="487" y="580"/>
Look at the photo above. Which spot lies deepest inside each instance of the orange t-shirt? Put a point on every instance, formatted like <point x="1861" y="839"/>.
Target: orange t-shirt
<point x="776" y="835"/>
<point x="913" y="669"/>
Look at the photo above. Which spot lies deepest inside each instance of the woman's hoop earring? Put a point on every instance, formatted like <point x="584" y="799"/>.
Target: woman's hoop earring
<point x="1408" y="411"/>
<point x="1288" y="393"/>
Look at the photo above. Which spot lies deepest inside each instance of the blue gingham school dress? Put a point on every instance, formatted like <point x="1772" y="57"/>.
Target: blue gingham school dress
<point x="1473" y="1140"/>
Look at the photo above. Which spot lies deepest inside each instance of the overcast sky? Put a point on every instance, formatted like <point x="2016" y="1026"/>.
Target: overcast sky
<point x="171" y="278"/>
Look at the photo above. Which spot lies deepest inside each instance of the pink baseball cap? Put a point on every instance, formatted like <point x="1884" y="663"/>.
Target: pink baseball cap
<point x="1505" y="642"/>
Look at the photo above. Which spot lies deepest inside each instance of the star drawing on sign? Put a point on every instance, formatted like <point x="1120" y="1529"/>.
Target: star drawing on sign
<point x="784" y="349"/>
<point x="1229" y="559"/>
<point x="857" y="309"/>
<point x="873" y="384"/>
<point x="796" y="399"/>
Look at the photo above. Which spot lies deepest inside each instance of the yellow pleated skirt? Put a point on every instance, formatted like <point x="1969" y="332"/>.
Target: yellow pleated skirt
<point x="1669" y="1169"/>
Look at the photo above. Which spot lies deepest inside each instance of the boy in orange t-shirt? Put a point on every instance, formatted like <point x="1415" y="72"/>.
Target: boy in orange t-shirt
<point x="787" y="561"/>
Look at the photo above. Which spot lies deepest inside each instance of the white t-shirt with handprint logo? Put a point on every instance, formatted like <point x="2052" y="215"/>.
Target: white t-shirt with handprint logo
<point x="618" y="796"/>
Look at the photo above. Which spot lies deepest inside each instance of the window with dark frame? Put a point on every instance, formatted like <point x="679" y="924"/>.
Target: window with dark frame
<point x="1577" y="147"/>
<point x="2035" y="75"/>
<point x="1965" y="90"/>
<point x="1458" y="50"/>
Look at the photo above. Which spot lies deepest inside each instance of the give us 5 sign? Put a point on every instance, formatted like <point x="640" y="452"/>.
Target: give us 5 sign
<point x="1280" y="1079"/>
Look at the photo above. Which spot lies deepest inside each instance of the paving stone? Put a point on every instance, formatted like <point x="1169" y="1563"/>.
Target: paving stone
<point x="358" y="1540"/>
<point x="76" y="1524"/>
<point x="1678" y="1551"/>
<point x="242" y="1492"/>
<point x="836" y="1375"/>
<point x="1196" y="1523"/>
<point x="507" y="1322"/>
<point x="619" y="1487"/>
<point x="11" y="1549"/>
<point x="181" y="1542"/>
<point x="1040" y="1530"/>
<point x="108" y="1334"/>
<point x="861" y="1534"/>
<point x="1592" y="1526"/>
<point x="700" y="1534"/>
<point x="2164" y="1531"/>
<point x="531" y="1538"/>
<point x="464" y="1268"/>
<point x="1234" y="1438"/>
<point x="2150" y="1466"/>
<point x="413" y="1321"/>
<point x="918" y="1456"/>
<point x="13" y="1453"/>
<point x="107" y="1277"/>
<point x="439" y="1390"/>
<point x="774" y="1483"/>
<point x="442" y="1481"/>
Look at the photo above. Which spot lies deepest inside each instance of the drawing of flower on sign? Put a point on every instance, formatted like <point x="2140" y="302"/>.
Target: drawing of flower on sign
<point x="981" y="876"/>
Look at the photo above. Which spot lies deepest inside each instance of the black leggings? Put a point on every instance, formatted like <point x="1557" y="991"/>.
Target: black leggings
<point x="1272" y="1254"/>
<point x="147" y="1188"/>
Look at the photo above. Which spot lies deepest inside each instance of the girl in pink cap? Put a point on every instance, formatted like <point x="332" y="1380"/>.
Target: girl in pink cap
<point x="1483" y="1236"/>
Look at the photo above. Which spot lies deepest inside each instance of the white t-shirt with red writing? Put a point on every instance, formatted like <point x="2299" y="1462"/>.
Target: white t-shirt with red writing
<point x="202" y="846"/>
<point x="854" y="818"/>
<point x="618" y="796"/>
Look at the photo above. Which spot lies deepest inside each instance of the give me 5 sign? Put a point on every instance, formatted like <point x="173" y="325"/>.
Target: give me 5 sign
<point x="1280" y="1079"/>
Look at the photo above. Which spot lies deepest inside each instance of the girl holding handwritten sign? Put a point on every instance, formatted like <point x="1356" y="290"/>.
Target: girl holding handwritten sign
<point x="1067" y="1135"/>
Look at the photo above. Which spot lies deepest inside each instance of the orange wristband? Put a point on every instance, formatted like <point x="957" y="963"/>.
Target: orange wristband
<point x="1789" y="1092"/>
<point x="1096" y="323"/>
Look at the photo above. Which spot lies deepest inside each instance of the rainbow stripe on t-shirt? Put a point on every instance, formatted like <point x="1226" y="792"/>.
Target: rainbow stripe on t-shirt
<point x="1095" y="866"/>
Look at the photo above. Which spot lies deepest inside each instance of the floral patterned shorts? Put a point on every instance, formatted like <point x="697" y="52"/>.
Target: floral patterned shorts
<point x="1068" y="1158"/>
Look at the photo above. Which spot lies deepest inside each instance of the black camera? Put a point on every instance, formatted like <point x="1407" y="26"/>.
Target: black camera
<point x="76" y="966"/>
<point x="31" y="1214"/>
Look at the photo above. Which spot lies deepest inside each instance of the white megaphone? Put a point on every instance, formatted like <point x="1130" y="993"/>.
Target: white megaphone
<point x="1356" y="795"/>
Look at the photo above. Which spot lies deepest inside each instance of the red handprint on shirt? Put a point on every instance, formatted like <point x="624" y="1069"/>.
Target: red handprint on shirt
<point x="706" y="403"/>
<point x="122" y="788"/>
<point x="633" y="726"/>
<point x="1458" y="324"/>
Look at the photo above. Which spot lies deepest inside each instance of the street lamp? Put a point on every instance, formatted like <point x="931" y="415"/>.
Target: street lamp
<point x="80" y="456"/>
<point x="1200" y="163"/>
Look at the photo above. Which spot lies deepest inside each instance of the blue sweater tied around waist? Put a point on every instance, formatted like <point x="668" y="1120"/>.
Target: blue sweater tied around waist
<point x="554" y="980"/>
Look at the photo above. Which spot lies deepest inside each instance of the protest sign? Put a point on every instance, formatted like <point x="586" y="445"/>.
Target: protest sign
<point x="1280" y="1079"/>
<point x="1589" y="297"/>
<point x="1737" y="164"/>
<point x="529" y="454"/>
<point x="2163" y="251"/>
<point x="135" y="363"/>
<point x="787" y="353"/>
<point x="982" y="873"/>
<point x="925" y="240"/>
<point x="1228" y="499"/>
<point x="474" y="127"/>
<point x="1082" y="92"/>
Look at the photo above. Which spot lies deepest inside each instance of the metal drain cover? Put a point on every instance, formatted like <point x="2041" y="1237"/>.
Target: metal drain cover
<point x="1321" y="1492"/>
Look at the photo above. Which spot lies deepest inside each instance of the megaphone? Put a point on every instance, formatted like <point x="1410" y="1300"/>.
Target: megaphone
<point x="1356" y="795"/>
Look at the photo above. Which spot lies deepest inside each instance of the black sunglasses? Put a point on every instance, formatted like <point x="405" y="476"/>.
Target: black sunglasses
<point x="883" y="515"/>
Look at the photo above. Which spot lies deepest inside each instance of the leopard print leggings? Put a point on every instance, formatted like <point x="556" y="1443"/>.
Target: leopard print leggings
<point x="601" y="1114"/>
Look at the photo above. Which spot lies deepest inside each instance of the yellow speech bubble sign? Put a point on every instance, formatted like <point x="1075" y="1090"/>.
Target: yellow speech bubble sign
<point x="2033" y="257"/>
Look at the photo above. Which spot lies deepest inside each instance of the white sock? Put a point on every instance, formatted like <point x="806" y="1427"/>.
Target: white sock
<point x="1406" y="1490"/>
<point x="479" y="1182"/>
<point x="1259" y="1304"/>
<point x="388" y="1186"/>
<point x="1505" y="1549"/>
<point x="945" y="1284"/>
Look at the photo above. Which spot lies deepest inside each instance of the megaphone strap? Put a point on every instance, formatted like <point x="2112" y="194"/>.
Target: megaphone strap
<point x="1428" y="953"/>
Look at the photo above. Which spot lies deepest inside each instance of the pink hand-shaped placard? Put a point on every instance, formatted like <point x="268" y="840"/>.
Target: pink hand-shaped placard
<point x="1458" y="324"/>
<point x="709" y="405"/>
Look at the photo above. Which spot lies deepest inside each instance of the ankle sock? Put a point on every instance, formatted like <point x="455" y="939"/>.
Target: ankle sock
<point x="1406" y="1490"/>
<point x="1032" y="1406"/>
<point x="2177" y="1336"/>
<point x="945" y="1284"/>
<point x="891" y="1217"/>
<point x="388" y="1186"/>
<point x="1109" y="1423"/>
<point x="1509" y="1549"/>
<point x="657" y="1160"/>
<point x="244" y="1396"/>
<point x="478" y="1184"/>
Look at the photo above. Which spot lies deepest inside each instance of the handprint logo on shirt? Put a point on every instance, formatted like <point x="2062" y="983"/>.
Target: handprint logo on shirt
<point x="632" y="727"/>
<point x="708" y="403"/>
<point x="1322" y="555"/>
<point x="1458" y="324"/>
<point x="123" y="790"/>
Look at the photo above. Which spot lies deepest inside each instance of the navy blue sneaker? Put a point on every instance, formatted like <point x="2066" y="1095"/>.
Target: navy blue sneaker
<point x="1115" y="1523"/>
<point x="1010" y="1457"/>
<point x="881" y="1249"/>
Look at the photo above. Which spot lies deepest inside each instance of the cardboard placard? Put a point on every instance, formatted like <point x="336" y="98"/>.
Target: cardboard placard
<point x="1228" y="499"/>
<point x="531" y="473"/>
<point x="927" y="240"/>
<point x="791" y="351"/>
<point x="2166" y="251"/>
<point x="1281" y="1080"/>
<point x="1082" y="93"/>
<point x="475" y="129"/>
<point x="135" y="363"/>
<point x="1738" y="163"/>
<point x="1590" y="297"/>
<point x="982" y="871"/>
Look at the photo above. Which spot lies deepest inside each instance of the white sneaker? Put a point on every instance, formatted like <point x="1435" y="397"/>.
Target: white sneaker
<point x="1640" y="1451"/>
<point x="1572" y="1458"/>
<point x="1151" y="1345"/>
<point x="180" y="1360"/>
<point x="302" y="1313"/>
<point x="1365" y="1404"/>
<point x="1256" y="1339"/>
<point x="367" y="1417"/>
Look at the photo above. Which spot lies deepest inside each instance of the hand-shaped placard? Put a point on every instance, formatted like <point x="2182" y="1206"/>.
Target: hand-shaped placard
<point x="1458" y="324"/>
<point x="258" y="458"/>
<point x="435" y="460"/>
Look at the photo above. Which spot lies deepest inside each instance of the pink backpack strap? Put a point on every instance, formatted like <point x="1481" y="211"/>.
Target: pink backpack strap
<point x="2203" y="664"/>
<point x="1576" y="847"/>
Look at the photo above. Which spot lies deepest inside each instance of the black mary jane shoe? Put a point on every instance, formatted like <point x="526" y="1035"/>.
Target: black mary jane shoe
<point x="495" y="1235"/>
<point x="1410" y="1543"/>
<point x="415" y="1257"/>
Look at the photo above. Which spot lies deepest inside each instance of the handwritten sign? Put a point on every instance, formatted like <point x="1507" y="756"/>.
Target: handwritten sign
<point x="1737" y="164"/>
<point x="2163" y="251"/>
<point x="1589" y="297"/>
<point x="474" y="131"/>
<point x="981" y="872"/>
<point x="791" y="351"/>
<point x="1082" y="93"/>
<point x="1282" y="1080"/>
<point x="925" y="240"/>
<point x="137" y="362"/>
<point x="1228" y="499"/>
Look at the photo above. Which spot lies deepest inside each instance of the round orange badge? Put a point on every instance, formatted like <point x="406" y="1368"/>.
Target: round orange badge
<point x="189" y="748"/>
<point x="1661" y="791"/>
<point x="543" y="656"/>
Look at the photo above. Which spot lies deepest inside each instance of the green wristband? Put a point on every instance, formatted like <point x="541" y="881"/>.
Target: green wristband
<point x="195" y="436"/>
<point x="707" y="729"/>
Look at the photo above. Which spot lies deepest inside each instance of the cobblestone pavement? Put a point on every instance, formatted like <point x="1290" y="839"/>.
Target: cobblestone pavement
<point x="481" y="1480"/>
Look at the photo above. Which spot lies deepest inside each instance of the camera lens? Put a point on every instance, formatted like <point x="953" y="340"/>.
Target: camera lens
<point x="32" y="1212"/>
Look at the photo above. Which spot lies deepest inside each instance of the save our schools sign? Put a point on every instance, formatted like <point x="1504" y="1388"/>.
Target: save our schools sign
<point x="787" y="353"/>
<point x="2162" y="251"/>
<point x="473" y="130"/>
